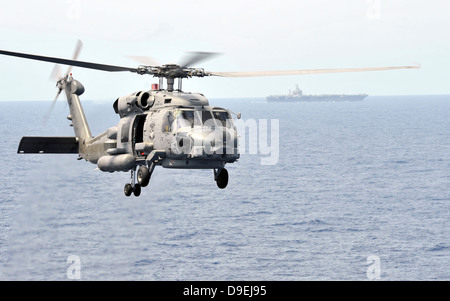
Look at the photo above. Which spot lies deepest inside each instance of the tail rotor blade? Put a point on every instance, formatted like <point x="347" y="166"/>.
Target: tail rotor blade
<point x="56" y="73"/>
<point x="50" y="110"/>
<point x="75" y="55"/>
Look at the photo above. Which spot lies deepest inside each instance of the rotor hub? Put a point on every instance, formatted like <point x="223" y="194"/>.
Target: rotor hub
<point x="172" y="71"/>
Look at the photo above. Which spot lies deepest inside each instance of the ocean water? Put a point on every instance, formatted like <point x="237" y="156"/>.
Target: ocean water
<point x="360" y="191"/>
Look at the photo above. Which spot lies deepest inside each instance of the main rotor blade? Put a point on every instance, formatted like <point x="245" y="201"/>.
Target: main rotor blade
<point x="145" y="60"/>
<point x="196" y="57"/>
<point x="308" y="71"/>
<point x="75" y="63"/>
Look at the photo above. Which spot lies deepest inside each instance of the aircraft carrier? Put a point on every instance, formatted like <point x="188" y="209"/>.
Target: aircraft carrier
<point x="297" y="95"/>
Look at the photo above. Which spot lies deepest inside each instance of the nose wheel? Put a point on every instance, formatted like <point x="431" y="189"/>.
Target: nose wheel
<point x="221" y="177"/>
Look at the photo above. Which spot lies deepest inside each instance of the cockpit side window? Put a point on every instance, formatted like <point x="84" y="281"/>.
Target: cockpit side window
<point x="222" y="116"/>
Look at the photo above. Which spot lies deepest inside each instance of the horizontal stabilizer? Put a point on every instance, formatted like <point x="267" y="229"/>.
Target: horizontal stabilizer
<point x="48" y="145"/>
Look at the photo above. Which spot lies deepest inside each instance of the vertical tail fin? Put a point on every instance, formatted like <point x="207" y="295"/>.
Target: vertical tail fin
<point x="74" y="89"/>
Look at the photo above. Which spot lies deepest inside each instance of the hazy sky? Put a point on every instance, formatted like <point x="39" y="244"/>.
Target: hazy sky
<point x="251" y="35"/>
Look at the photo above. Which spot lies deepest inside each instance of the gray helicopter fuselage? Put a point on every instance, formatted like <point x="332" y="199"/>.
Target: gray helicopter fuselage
<point x="173" y="129"/>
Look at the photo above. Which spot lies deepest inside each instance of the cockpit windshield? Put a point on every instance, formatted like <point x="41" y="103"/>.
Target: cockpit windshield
<point x="191" y="118"/>
<point x="207" y="118"/>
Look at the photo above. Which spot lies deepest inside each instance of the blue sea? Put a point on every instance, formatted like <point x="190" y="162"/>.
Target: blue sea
<point x="360" y="191"/>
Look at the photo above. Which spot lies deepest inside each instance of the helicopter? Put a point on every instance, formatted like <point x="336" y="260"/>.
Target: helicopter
<point x="165" y="127"/>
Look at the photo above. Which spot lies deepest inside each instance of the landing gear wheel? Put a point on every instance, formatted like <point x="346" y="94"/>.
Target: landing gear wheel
<point x="222" y="179"/>
<point x="137" y="190"/>
<point x="128" y="189"/>
<point x="143" y="176"/>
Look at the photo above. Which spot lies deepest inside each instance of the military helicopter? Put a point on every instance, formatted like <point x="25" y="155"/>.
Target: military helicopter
<point x="159" y="127"/>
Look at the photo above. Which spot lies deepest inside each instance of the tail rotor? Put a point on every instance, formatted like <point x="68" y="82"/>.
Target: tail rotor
<point x="56" y="75"/>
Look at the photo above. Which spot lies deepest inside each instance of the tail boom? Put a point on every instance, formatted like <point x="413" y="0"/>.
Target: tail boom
<point x="74" y="89"/>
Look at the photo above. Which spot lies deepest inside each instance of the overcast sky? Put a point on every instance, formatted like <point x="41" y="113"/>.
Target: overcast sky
<point x="250" y="35"/>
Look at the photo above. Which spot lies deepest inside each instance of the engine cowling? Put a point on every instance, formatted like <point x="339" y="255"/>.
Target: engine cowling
<point x="135" y="103"/>
<point x="144" y="100"/>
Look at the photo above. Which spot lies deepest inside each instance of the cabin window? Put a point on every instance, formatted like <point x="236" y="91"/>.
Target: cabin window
<point x="125" y="132"/>
<point x="185" y="118"/>
<point x="139" y="128"/>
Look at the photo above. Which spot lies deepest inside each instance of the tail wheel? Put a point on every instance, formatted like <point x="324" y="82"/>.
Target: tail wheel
<point x="143" y="176"/>
<point x="222" y="179"/>
<point x="128" y="189"/>
<point x="137" y="190"/>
